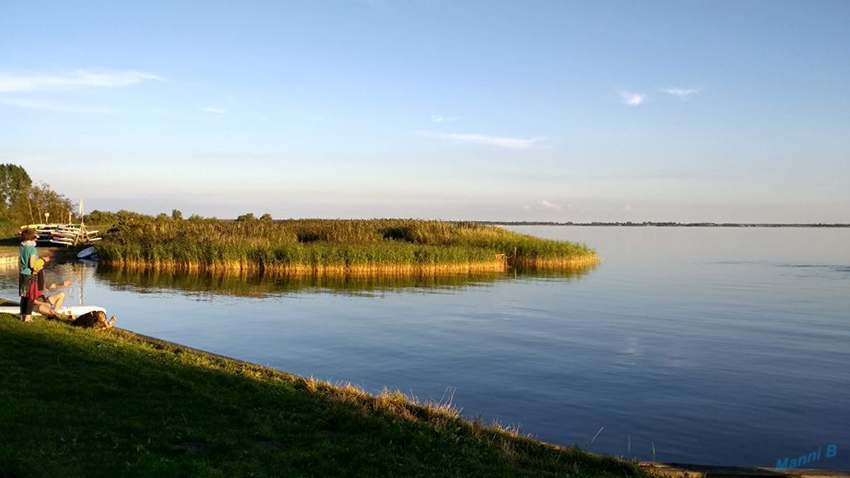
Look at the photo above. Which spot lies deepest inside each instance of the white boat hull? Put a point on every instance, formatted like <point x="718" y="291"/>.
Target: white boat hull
<point x="87" y="253"/>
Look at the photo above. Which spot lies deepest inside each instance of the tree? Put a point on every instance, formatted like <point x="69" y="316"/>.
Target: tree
<point x="109" y="218"/>
<point x="14" y="186"/>
<point x="266" y="217"/>
<point x="246" y="217"/>
<point x="176" y="215"/>
<point x="43" y="200"/>
<point x="21" y="202"/>
<point x="125" y="215"/>
<point x="101" y="217"/>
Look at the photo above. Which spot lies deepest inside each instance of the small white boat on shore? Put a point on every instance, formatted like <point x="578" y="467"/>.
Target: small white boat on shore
<point x="87" y="253"/>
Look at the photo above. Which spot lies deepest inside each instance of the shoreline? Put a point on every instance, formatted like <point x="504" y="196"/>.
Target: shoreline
<point x="672" y="470"/>
<point x="684" y="470"/>
<point x="10" y="259"/>
<point x="347" y="393"/>
<point x="388" y="270"/>
<point x="666" y="224"/>
<point x="165" y="409"/>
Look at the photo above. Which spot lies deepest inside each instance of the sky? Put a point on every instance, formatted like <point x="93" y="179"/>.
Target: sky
<point x="447" y="109"/>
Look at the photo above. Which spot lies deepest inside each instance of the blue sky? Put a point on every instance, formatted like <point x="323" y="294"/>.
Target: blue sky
<point x="520" y="110"/>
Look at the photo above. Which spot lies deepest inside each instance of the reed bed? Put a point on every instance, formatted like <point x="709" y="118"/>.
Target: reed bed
<point x="332" y="247"/>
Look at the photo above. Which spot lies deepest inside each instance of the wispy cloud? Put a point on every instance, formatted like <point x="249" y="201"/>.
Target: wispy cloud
<point x="683" y="94"/>
<point x="215" y="111"/>
<point x="50" y="105"/>
<point x="443" y="119"/>
<point x="487" y="140"/>
<point x="546" y="205"/>
<point x="632" y="99"/>
<point x="78" y="79"/>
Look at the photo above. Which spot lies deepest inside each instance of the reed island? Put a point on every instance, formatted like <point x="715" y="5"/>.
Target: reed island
<point x="332" y="247"/>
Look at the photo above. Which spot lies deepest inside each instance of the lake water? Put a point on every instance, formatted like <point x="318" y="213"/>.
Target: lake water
<point x="708" y="345"/>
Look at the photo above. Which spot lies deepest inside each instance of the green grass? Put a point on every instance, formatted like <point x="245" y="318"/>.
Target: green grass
<point x="332" y="246"/>
<point x="83" y="403"/>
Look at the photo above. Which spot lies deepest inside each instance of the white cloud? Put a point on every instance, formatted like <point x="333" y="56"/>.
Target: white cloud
<point x="632" y="99"/>
<point x="487" y="140"/>
<point x="544" y="204"/>
<point x="683" y="94"/>
<point x="78" y="79"/>
<point x="443" y="119"/>
<point x="50" y="106"/>
<point x="215" y="111"/>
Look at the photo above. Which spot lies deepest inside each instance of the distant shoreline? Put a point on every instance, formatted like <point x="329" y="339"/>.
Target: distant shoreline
<point x="658" y="224"/>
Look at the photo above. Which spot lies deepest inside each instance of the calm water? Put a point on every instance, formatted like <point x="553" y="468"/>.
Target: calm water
<point x="716" y="346"/>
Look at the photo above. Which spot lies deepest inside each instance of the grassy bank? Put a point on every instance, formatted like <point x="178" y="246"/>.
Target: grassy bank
<point x="388" y="246"/>
<point x="85" y="403"/>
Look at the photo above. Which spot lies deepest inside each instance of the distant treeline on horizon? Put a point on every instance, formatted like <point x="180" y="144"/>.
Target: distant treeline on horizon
<point x="657" y="224"/>
<point x="108" y="217"/>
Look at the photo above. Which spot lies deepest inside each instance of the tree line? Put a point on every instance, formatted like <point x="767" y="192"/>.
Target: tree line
<point x="23" y="202"/>
<point x="107" y="218"/>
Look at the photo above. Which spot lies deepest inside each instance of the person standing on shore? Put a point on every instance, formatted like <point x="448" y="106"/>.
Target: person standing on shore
<point x="26" y="276"/>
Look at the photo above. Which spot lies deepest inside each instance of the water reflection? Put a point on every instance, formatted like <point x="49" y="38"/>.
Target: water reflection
<point x="258" y="286"/>
<point x="707" y="345"/>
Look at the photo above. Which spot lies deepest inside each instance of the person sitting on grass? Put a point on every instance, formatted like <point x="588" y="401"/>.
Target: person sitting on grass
<point x="45" y="305"/>
<point x="49" y="306"/>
